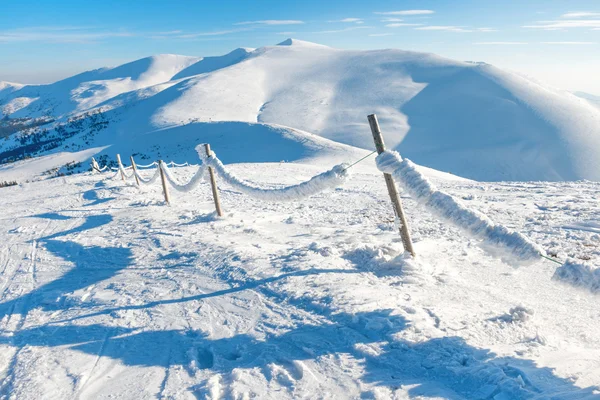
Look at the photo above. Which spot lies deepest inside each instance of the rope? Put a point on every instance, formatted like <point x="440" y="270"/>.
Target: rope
<point x="192" y="184"/>
<point x="551" y="259"/>
<point x="150" y="180"/>
<point x="318" y="183"/>
<point x="147" y="166"/>
<point x="364" y="158"/>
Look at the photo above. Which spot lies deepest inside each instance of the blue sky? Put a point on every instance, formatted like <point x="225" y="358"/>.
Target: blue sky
<point x="557" y="41"/>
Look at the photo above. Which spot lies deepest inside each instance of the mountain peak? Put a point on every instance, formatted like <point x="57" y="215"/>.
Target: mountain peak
<point x="296" y="42"/>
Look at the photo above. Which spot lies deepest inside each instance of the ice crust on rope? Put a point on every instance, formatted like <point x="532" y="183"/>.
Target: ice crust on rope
<point x="192" y="184"/>
<point x="579" y="274"/>
<point x="512" y="246"/>
<point x="318" y="183"/>
<point x="122" y="170"/>
<point x="147" y="166"/>
<point x="150" y="180"/>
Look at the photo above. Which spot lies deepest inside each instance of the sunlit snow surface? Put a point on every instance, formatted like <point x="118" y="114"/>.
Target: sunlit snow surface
<point x="105" y="291"/>
<point x="470" y="119"/>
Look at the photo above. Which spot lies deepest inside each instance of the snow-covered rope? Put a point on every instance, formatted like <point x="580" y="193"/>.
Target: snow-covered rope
<point x="510" y="243"/>
<point x="150" y="180"/>
<point x="329" y="179"/>
<point x="122" y="170"/>
<point x="174" y="164"/>
<point x="153" y="164"/>
<point x="579" y="274"/>
<point x="192" y="184"/>
<point x="103" y="168"/>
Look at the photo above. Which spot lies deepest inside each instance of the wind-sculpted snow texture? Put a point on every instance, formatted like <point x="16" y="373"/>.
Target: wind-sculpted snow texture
<point x="579" y="274"/>
<point x="513" y="246"/>
<point x="470" y="119"/>
<point x="187" y="187"/>
<point x="330" y="179"/>
<point x="105" y="292"/>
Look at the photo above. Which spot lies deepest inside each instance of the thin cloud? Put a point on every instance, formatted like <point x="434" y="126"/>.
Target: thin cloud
<point x="380" y="34"/>
<point x="581" y="14"/>
<point x="571" y="43"/>
<point x="486" y="30"/>
<point x="444" y="28"/>
<point x="500" y="43"/>
<point x="272" y="22"/>
<point x="406" y="12"/>
<point x="344" y="30"/>
<point x="349" y="20"/>
<point x="401" y="24"/>
<point x="565" y="24"/>
<point x="213" y="33"/>
<point x="392" y="20"/>
<point x="59" y="35"/>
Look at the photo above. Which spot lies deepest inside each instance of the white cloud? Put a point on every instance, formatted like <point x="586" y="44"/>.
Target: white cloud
<point x="392" y="20"/>
<point x="565" y="24"/>
<point x="380" y="34"/>
<point x="344" y="30"/>
<point x="486" y="30"/>
<point x="349" y="20"/>
<point x="580" y="14"/>
<point x="570" y="43"/>
<point x="55" y="34"/>
<point x="213" y="33"/>
<point x="272" y="22"/>
<point x="443" y="28"/>
<point x="406" y="12"/>
<point x="500" y="43"/>
<point x="401" y="24"/>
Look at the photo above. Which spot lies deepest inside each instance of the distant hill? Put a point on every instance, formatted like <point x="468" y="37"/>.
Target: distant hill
<point x="470" y="119"/>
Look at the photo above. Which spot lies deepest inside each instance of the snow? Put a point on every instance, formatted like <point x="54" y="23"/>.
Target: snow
<point x="497" y="238"/>
<point x="333" y="178"/>
<point x="106" y="292"/>
<point x="579" y="274"/>
<point x="470" y="119"/>
<point x="187" y="187"/>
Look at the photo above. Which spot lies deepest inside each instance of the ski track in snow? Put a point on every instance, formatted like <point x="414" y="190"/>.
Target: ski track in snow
<point x="105" y="291"/>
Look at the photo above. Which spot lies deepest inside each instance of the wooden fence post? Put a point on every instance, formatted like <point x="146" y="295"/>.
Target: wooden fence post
<point x="134" y="168"/>
<point x="213" y="183"/>
<point x="391" y="185"/>
<point x="164" y="182"/>
<point x="120" y="166"/>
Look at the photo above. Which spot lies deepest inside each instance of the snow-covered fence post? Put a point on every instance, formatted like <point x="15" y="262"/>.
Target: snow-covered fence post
<point x="120" y="166"/>
<point x="391" y="185"/>
<point x="213" y="183"/>
<point x="95" y="165"/>
<point x="133" y="167"/>
<point x="163" y="179"/>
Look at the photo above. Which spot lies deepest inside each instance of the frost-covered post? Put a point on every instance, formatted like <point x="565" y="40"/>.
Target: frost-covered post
<point x="134" y="168"/>
<point x="213" y="183"/>
<point x="391" y="185"/>
<point x="163" y="179"/>
<point x="95" y="165"/>
<point x="120" y="166"/>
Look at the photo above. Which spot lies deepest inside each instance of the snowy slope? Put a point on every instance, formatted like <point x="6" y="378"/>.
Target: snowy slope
<point x="86" y="90"/>
<point x="470" y="119"/>
<point x="105" y="292"/>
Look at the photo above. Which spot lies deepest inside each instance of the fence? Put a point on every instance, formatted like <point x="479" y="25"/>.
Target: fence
<point x="501" y="242"/>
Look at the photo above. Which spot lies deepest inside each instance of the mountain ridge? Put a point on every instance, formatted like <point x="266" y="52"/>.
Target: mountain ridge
<point x="470" y="119"/>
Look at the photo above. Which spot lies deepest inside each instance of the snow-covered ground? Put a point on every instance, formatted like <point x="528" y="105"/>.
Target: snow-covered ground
<point x="106" y="292"/>
<point x="470" y="119"/>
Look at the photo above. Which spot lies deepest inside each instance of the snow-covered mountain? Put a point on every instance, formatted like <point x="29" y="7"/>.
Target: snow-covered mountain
<point x="470" y="119"/>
